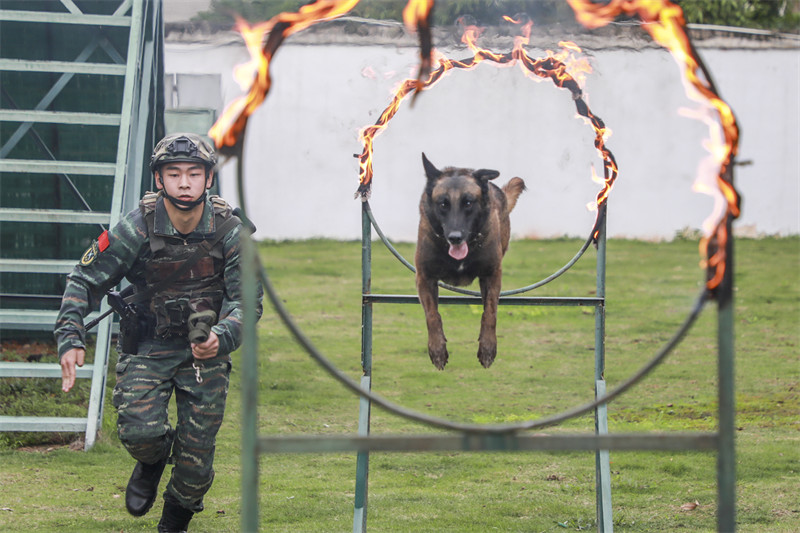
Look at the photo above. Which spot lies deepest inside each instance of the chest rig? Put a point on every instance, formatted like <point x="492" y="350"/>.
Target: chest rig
<point x="200" y="287"/>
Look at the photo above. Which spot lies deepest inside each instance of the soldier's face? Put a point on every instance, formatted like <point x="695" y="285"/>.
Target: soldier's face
<point x="184" y="181"/>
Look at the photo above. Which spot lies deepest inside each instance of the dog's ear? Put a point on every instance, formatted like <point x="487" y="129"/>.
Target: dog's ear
<point x="484" y="174"/>
<point x="431" y="171"/>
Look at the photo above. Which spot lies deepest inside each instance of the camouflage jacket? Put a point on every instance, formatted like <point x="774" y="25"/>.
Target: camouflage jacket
<point x="122" y="252"/>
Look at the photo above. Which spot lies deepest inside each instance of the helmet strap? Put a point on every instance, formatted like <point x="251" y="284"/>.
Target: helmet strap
<point x="184" y="205"/>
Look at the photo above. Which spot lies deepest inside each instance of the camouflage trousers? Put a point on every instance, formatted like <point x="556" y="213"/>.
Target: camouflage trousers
<point x="145" y="384"/>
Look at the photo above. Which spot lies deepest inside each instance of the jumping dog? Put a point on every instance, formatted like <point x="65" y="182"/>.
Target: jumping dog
<point x="463" y="235"/>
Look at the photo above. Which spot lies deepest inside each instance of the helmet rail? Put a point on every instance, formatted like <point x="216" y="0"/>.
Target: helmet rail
<point x="183" y="148"/>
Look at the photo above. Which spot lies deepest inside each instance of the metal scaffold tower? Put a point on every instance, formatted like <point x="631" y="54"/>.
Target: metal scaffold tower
<point x="81" y="102"/>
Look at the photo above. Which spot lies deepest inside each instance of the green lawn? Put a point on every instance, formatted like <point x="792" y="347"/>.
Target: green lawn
<point x="544" y="365"/>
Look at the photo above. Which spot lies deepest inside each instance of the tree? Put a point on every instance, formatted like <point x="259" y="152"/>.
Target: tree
<point x="781" y="15"/>
<point x="446" y="12"/>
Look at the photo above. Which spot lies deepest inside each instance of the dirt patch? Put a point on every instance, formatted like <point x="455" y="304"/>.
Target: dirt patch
<point x="76" y="446"/>
<point x="27" y="350"/>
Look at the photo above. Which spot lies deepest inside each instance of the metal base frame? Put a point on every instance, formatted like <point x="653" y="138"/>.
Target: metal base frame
<point x="602" y="468"/>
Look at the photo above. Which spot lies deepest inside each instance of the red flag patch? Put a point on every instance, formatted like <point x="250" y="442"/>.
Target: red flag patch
<point x="102" y="241"/>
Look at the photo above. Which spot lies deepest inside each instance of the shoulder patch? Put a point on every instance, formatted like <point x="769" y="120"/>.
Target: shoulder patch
<point x="221" y="206"/>
<point x="148" y="202"/>
<point x="90" y="254"/>
<point x="102" y="241"/>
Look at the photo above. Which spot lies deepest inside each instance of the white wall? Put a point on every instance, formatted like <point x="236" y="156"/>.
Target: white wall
<point x="301" y="174"/>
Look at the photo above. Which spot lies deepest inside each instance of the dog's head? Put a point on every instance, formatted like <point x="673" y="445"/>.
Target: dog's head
<point x="457" y="203"/>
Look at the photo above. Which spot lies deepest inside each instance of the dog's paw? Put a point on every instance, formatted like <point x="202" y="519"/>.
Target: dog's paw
<point x="438" y="356"/>
<point x="486" y="354"/>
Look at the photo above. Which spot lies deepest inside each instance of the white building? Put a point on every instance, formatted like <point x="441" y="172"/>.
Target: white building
<point x="332" y="80"/>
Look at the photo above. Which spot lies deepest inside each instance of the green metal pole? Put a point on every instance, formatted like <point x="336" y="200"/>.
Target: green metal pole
<point x="602" y="467"/>
<point x="599" y="313"/>
<point x="726" y="456"/>
<point x="362" y="461"/>
<point x="249" y="389"/>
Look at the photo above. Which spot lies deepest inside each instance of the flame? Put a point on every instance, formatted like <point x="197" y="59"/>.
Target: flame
<point x="552" y="67"/>
<point x="664" y="21"/>
<point x="577" y="65"/>
<point x="228" y="129"/>
<point x="598" y="179"/>
<point x="417" y="17"/>
<point x="415" y="12"/>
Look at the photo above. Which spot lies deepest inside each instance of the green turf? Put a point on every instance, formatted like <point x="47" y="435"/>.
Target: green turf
<point x="544" y="365"/>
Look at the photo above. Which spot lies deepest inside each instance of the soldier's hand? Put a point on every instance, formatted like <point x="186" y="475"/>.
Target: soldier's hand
<point x="75" y="356"/>
<point x="208" y="349"/>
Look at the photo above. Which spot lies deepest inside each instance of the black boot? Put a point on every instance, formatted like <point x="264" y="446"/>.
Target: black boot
<point x="174" y="518"/>
<point x="142" y="487"/>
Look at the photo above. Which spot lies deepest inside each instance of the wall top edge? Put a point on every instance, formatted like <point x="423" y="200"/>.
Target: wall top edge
<point x="364" y="32"/>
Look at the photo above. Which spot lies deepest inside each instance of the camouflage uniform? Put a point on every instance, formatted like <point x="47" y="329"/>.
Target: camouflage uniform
<point x="162" y="363"/>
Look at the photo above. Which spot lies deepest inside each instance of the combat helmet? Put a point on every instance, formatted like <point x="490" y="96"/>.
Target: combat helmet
<point x="183" y="147"/>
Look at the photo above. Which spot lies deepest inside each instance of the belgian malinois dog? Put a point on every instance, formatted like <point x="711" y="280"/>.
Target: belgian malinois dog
<point x="463" y="235"/>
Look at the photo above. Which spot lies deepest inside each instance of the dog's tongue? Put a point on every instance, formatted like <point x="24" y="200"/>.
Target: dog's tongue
<point x="458" y="251"/>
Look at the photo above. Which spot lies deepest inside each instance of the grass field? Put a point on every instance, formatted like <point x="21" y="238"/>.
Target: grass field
<point x="544" y="365"/>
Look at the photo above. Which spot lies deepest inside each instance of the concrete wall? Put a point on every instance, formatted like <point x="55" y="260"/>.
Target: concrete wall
<point x="301" y="174"/>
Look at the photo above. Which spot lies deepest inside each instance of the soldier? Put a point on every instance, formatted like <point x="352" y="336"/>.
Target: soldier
<point x="180" y="252"/>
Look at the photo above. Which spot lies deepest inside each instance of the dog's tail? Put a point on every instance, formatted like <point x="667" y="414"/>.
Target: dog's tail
<point x="512" y="190"/>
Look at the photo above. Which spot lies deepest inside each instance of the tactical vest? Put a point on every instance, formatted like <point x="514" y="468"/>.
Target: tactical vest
<point x="200" y="288"/>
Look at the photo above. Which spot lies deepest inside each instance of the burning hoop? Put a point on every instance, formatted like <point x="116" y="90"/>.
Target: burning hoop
<point x="554" y="67"/>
